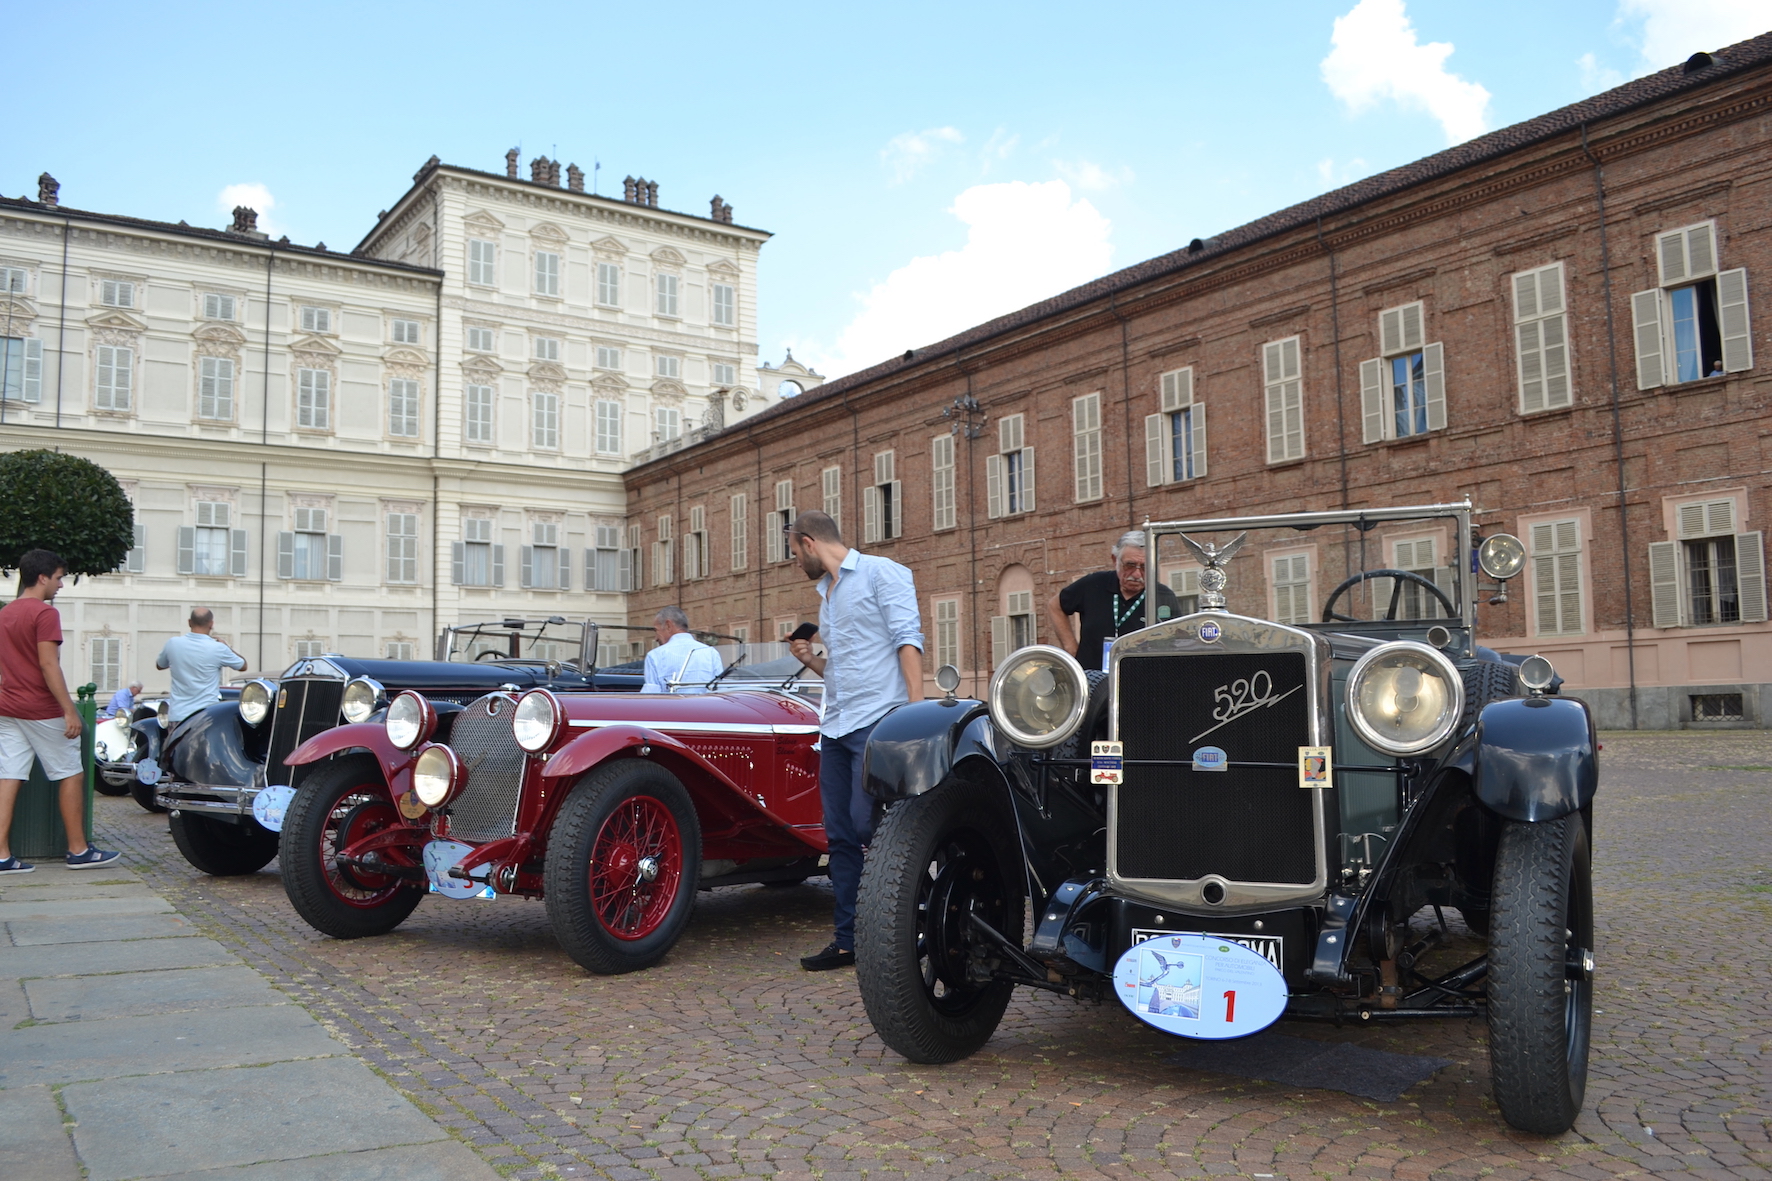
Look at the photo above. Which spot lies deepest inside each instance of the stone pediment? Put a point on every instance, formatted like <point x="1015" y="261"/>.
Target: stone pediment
<point x="315" y="344"/>
<point x="482" y="220"/>
<point x="721" y="266"/>
<point x="483" y="365"/>
<point x="219" y="333"/>
<point x="608" y="245"/>
<point x="547" y="371"/>
<point x="668" y="390"/>
<point x="404" y="356"/>
<point x="548" y="231"/>
<point x="112" y="318"/>
<point x="17" y="309"/>
<point x="668" y="257"/>
<point x="612" y="382"/>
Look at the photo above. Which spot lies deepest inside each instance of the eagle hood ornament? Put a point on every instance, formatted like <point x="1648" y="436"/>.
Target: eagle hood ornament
<point x="1212" y="562"/>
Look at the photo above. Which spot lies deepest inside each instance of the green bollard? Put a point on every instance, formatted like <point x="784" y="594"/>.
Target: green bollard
<point x="37" y="831"/>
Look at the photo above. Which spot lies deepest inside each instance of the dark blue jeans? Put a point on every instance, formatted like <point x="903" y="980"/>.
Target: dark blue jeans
<point x="848" y="821"/>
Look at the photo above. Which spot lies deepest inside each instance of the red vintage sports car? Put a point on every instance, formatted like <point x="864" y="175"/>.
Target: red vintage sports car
<point x="613" y="808"/>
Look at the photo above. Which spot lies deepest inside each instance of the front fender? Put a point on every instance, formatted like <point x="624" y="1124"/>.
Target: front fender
<point x="913" y="747"/>
<point x="396" y="764"/>
<point x="208" y="748"/>
<point x="1535" y="757"/>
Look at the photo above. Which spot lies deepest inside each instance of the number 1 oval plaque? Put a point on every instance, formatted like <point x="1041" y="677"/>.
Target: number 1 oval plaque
<point x="1200" y="986"/>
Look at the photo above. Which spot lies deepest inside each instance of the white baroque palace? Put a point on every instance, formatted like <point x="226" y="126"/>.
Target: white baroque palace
<point x="346" y="452"/>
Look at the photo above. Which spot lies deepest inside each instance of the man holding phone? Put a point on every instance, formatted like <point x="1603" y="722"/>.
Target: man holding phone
<point x="873" y="661"/>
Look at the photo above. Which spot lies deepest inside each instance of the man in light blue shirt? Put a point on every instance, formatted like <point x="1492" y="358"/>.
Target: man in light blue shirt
<point x="873" y="640"/>
<point x="681" y="663"/>
<point x="195" y="660"/>
<point x="122" y="701"/>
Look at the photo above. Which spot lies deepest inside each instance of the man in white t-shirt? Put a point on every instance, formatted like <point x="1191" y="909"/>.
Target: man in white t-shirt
<point x="681" y="663"/>
<point x="196" y="660"/>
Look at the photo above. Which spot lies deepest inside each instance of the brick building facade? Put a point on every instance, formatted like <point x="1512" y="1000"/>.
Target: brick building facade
<point x="1553" y="320"/>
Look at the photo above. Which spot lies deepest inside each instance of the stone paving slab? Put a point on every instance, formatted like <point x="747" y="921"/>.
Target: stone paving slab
<point x="162" y="1042"/>
<point x="130" y="955"/>
<point x="440" y="1160"/>
<point x="30" y="890"/>
<point x="16" y="908"/>
<point x="15" y="1006"/>
<point x="87" y="929"/>
<point x="178" y="1123"/>
<point x="33" y="1142"/>
<point x="132" y="994"/>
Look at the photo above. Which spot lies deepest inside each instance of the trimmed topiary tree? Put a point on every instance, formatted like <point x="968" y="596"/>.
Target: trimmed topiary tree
<point x="56" y="501"/>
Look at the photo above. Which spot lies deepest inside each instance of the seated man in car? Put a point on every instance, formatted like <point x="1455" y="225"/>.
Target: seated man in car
<point x="681" y="663"/>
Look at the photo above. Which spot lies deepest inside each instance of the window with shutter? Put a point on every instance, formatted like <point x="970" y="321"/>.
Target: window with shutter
<point x="1000" y="640"/>
<point x="481" y="340"/>
<point x="402" y="535"/>
<point x="218" y="307"/>
<point x="211" y="540"/>
<point x="105" y="668"/>
<point x="1086" y="447"/>
<point x="1687" y="253"/>
<point x="608" y="357"/>
<point x="317" y="320"/>
<point x="114" y="377"/>
<point x="1283" y="393"/>
<point x="547" y="348"/>
<point x="482" y="255"/>
<point x="993" y="486"/>
<point x="116" y="293"/>
<point x="609" y="284"/>
<point x="547" y="273"/>
<point x="665" y="289"/>
<point x="1403" y="392"/>
<point x="725" y="305"/>
<point x="740" y="511"/>
<point x="478" y="409"/>
<point x="1750" y="577"/>
<point x="631" y="576"/>
<point x="1709" y="565"/>
<point x="947" y="632"/>
<point x="1556" y="577"/>
<point x="1733" y="322"/>
<point x="1019" y="609"/>
<point x="608" y="428"/>
<point x="21" y="369"/>
<point x="1541" y="336"/>
<point x="1015" y="468"/>
<point x="403" y="408"/>
<point x="831" y="488"/>
<point x="545" y="420"/>
<point x="136" y="560"/>
<point x="215" y="388"/>
<point x="1185" y="582"/>
<point x="1292" y="589"/>
<point x="407" y="332"/>
<point x="725" y="374"/>
<point x="941" y="481"/>
<point x="14" y="280"/>
<point x="313" y="399"/>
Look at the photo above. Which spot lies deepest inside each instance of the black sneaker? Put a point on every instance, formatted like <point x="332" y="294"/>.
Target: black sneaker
<point x="92" y="858"/>
<point x="14" y="865"/>
<point x="831" y="957"/>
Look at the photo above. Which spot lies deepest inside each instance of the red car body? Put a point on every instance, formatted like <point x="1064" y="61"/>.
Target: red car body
<point x="629" y="804"/>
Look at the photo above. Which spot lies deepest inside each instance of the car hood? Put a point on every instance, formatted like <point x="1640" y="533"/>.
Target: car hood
<point x="744" y="708"/>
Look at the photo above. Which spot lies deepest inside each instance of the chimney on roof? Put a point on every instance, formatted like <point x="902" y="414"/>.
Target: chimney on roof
<point x="538" y="170"/>
<point x="47" y="189"/>
<point x="245" y="220"/>
<point x="511" y="163"/>
<point x="575" y="178"/>
<point x="719" y="210"/>
<point x="652" y="192"/>
<point x="628" y="185"/>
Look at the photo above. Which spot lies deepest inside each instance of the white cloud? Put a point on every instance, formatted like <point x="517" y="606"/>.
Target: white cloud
<point x="1674" y="30"/>
<point x="1093" y="177"/>
<point x="1375" y="57"/>
<point x="1594" y="76"/>
<point x="253" y="196"/>
<point x="1025" y="242"/>
<point x="907" y="153"/>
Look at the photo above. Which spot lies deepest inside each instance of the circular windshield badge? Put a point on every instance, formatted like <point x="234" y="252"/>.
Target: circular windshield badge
<point x="1209" y="632"/>
<point x="1200" y="986"/>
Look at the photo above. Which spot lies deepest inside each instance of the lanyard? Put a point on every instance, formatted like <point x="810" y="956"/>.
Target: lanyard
<point x="1131" y="609"/>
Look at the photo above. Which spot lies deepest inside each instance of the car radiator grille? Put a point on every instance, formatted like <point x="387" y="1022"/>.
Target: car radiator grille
<point x="1245" y="824"/>
<point x="482" y="740"/>
<point x="304" y="708"/>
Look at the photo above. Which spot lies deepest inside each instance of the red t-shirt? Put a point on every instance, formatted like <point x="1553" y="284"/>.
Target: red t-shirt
<point x="24" y="623"/>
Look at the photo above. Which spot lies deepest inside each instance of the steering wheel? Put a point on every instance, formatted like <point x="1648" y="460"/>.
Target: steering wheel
<point x="1399" y="577"/>
<point x="490" y="654"/>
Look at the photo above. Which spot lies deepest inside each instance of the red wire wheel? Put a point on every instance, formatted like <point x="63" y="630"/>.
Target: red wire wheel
<point x="636" y="866"/>
<point x="340" y="803"/>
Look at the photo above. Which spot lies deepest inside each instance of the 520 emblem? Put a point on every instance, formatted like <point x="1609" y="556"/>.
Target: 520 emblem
<point x="1241" y="696"/>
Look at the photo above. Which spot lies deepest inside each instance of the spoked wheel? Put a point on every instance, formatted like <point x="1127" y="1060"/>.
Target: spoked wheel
<point x="342" y="803"/>
<point x="1541" y="991"/>
<point x="221" y="848"/>
<point x="624" y="859"/>
<point x="938" y="862"/>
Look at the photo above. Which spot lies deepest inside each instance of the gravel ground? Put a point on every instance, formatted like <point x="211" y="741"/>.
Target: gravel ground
<point x="727" y="1061"/>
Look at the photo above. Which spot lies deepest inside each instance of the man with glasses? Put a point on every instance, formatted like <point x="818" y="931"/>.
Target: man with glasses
<point x="873" y="640"/>
<point x="1111" y="603"/>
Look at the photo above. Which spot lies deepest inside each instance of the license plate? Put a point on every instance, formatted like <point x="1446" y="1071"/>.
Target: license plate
<point x="1272" y="948"/>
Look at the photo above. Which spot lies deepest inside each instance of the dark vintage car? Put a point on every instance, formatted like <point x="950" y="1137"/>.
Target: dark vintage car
<point x="1315" y="792"/>
<point x="613" y="808"/>
<point x="210" y="770"/>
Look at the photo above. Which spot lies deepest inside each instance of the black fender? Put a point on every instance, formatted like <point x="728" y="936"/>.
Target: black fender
<point x="1535" y="758"/>
<point x="153" y="737"/>
<point x="916" y="745"/>
<point x="208" y="748"/>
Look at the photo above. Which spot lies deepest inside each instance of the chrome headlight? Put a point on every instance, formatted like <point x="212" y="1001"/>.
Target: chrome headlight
<point x="362" y="696"/>
<point x="536" y="720"/>
<point x="163" y="714"/>
<point x="411" y="719"/>
<point x="1038" y="696"/>
<point x="1404" y="697"/>
<point x="1537" y="673"/>
<point x="437" y="776"/>
<point x="255" y="701"/>
<point x="1501" y="556"/>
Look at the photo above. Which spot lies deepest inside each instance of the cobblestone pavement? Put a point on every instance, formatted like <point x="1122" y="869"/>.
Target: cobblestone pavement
<point x="728" y="1061"/>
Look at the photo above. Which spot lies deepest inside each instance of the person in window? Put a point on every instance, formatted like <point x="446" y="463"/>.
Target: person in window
<point x="681" y="663"/>
<point x="122" y="702"/>
<point x="196" y="660"/>
<point x="1111" y="603"/>
<point x="1716" y="368"/>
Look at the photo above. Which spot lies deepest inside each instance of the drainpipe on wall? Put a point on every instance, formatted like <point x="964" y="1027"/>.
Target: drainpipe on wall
<point x="972" y="541"/>
<point x="61" y="332"/>
<point x="1630" y="647"/>
<point x="264" y="440"/>
<point x="1126" y="408"/>
<point x="750" y="432"/>
<point x="437" y="424"/>
<point x="1340" y="404"/>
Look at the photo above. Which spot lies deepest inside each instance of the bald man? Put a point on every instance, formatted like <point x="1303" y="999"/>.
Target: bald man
<point x="196" y="660"/>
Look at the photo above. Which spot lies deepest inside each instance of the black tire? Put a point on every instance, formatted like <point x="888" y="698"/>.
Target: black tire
<point x="144" y="795"/>
<point x="936" y="859"/>
<point x="608" y="915"/>
<point x="1486" y="681"/>
<point x="340" y="802"/>
<point x="105" y="787"/>
<point x="221" y="849"/>
<point x="1540" y="993"/>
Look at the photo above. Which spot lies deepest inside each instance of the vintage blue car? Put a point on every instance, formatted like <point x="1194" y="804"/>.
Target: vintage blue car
<point x="209" y="770"/>
<point x="1310" y="786"/>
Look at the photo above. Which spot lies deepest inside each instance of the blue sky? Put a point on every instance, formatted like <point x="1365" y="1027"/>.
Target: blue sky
<point x="923" y="166"/>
